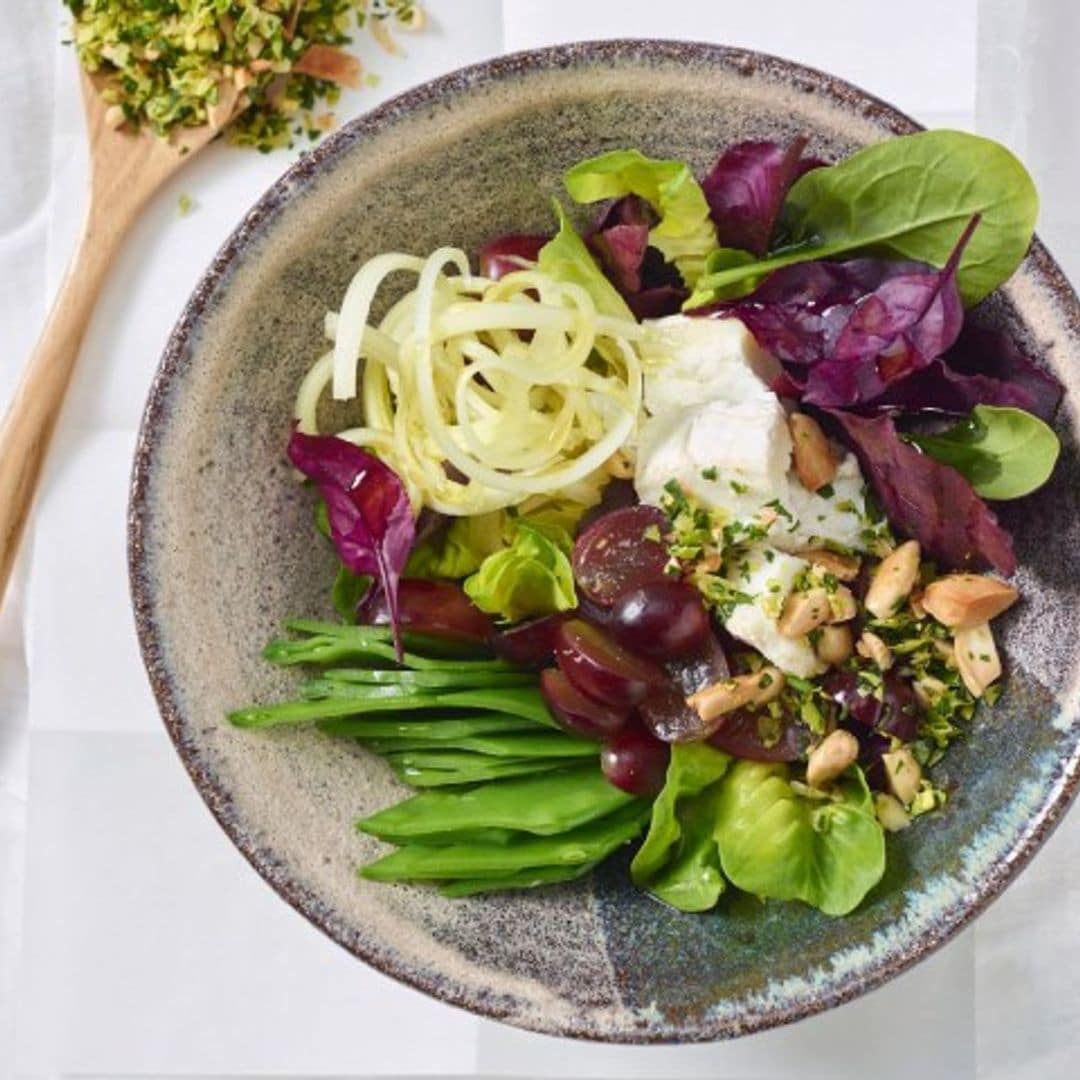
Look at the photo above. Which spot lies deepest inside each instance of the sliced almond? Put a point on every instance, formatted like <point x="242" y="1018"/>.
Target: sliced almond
<point x="890" y="812"/>
<point x="831" y="757"/>
<point x="757" y="688"/>
<point x="815" y="463"/>
<point x="903" y="773"/>
<point x="834" y="644"/>
<point x="964" y="600"/>
<point x="842" y="605"/>
<point x="842" y="567"/>
<point x="114" y="117"/>
<point x="893" y="580"/>
<point x="872" y="648"/>
<point x="803" y="612"/>
<point x="977" y="657"/>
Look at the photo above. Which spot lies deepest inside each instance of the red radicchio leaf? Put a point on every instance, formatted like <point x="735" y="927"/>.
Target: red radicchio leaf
<point x="650" y="285"/>
<point x="371" y="521"/>
<point x="937" y="388"/>
<point x="504" y="254"/>
<point x="746" y="188"/>
<point x="927" y="500"/>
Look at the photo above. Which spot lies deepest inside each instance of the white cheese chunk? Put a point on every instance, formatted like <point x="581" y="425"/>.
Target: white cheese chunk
<point x="690" y="361"/>
<point x="768" y="576"/>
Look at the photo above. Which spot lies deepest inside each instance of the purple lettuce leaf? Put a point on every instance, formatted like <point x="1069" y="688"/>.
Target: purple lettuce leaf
<point x="371" y="520"/>
<point x="926" y="500"/>
<point x="993" y="354"/>
<point x="852" y="329"/>
<point x="746" y="188"/>
<point x="650" y="285"/>
<point x="505" y="254"/>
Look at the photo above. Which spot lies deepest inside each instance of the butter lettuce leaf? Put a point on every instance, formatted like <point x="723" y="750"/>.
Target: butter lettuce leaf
<point x="566" y="258"/>
<point x="532" y="576"/>
<point x="678" y="861"/>
<point x="685" y="233"/>
<point x="775" y="842"/>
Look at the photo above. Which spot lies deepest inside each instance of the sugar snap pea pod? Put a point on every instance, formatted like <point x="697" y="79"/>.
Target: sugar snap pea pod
<point x="512" y="745"/>
<point x="429" y="725"/>
<point x="329" y="643"/>
<point x="584" y="844"/>
<point x="307" y="712"/>
<point x="340" y="678"/>
<point x="545" y="805"/>
<point x="522" y="879"/>
<point x="449" y="768"/>
<point x="522" y="701"/>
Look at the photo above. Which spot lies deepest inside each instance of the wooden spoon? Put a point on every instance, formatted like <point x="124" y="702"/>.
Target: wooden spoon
<point x="125" y="170"/>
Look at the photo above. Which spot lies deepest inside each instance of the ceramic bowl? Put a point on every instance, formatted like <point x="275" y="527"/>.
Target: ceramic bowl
<point x="222" y="550"/>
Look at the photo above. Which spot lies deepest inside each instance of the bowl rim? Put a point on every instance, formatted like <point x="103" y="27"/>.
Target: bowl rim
<point x="1061" y="789"/>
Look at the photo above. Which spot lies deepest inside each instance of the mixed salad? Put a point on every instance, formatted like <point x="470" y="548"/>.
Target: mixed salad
<point x="679" y="529"/>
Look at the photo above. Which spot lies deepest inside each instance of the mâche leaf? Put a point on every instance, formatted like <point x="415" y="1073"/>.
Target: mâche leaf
<point x="1005" y="453"/>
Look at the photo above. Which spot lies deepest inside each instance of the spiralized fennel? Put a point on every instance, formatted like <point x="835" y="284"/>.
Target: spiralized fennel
<point x="479" y="393"/>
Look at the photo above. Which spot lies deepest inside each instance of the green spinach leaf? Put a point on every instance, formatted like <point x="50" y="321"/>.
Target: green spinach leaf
<point x="776" y="843"/>
<point x="910" y="197"/>
<point x="1004" y="452"/>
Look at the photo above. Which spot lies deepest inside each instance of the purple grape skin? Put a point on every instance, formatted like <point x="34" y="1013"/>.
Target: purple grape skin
<point x="529" y="644"/>
<point x="738" y="735"/>
<point x="663" y="619"/>
<point x="635" y="761"/>
<point x="896" y="713"/>
<point x="613" y="554"/>
<point x="601" y="668"/>
<point x="577" y="713"/>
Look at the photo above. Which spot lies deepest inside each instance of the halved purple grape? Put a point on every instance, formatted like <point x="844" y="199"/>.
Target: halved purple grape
<point x="600" y="667"/>
<point x="740" y="734"/>
<point x="438" y="608"/>
<point x="615" y="553"/>
<point x="897" y="712"/>
<point x="636" y="762"/>
<point x="576" y="712"/>
<point x="529" y="644"/>
<point x="666" y="714"/>
<point x="665" y="619"/>
<point x="505" y="254"/>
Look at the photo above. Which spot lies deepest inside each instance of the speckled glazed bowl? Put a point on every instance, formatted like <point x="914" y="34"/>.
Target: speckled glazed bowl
<point x="222" y="550"/>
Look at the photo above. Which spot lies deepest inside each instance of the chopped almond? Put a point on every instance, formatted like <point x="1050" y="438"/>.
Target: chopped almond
<point x="803" y="612"/>
<point x="815" y="463"/>
<point x="834" y="644"/>
<point x="842" y="567"/>
<point x="872" y="648"/>
<point x="831" y="757"/>
<point x="977" y="658"/>
<point x="893" y="580"/>
<point x="966" y="600"/>
<point x="757" y="688"/>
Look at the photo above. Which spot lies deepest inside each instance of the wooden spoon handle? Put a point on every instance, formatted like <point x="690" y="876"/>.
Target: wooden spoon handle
<point x="31" y="419"/>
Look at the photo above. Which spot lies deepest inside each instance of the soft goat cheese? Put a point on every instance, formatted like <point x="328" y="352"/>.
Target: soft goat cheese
<point x="716" y="428"/>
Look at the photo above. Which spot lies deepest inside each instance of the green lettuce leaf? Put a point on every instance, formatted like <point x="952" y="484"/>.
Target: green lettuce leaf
<point x="678" y="861"/>
<point x="566" y="258"/>
<point x="685" y="233"/>
<point x="461" y="548"/>
<point x="532" y="576"/>
<point x="775" y="842"/>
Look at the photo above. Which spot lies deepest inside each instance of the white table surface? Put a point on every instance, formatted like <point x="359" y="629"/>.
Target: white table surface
<point x="134" y="940"/>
